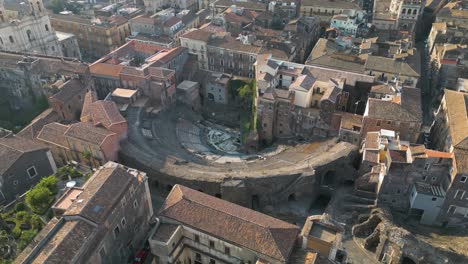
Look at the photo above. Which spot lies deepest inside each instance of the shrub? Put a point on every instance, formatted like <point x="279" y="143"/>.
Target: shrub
<point x="16" y="232"/>
<point x="36" y="222"/>
<point x="66" y="171"/>
<point x="20" y="207"/>
<point x="25" y="238"/>
<point x="50" y="214"/>
<point x="22" y="216"/>
<point x="39" y="199"/>
<point x="50" y="183"/>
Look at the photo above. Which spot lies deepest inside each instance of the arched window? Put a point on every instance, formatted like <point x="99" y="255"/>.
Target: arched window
<point x="28" y="32"/>
<point x="46" y="27"/>
<point x="403" y="11"/>
<point x="415" y="11"/>
<point x="11" y="39"/>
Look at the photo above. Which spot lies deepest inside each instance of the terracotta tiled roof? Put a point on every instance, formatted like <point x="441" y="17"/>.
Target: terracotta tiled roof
<point x="54" y="133"/>
<point x="304" y="82"/>
<point x="166" y="56"/>
<point x="103" y="69"/>
<point x="32" y="130"/>
<point x="398" y="156"/>
<point x="145" y="47"/>
<point x="372" y="140"/>
<point x="172" y="21"/>
<point x="66" y="242"/>
<point x="68" y="90"/>
<point x="89" y="99"/>
<point x="198" y="34"/>
<point x="11" y="149"/>
<point x="408" y="111"/>
<point x="106" y="113"/>
<point x="88" y="133"/>
<point x="101" y="193"/>
<point x="233" y="223"/>
<point x="457" y="111"/>
<point x="388" y="65"/>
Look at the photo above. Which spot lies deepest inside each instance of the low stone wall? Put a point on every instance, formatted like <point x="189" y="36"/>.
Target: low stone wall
<point x="259" y="188"/>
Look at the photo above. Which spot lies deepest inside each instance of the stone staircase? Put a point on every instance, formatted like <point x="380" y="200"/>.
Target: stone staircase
<point x="359" y="204"/>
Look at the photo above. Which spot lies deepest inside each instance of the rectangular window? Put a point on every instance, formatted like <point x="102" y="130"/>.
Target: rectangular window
<point x="116" y="231"/>
<point x="197" y="238"/>
<point x="32" y="172"/>
<point x="227" y="251"/>
<point x="102" y="253"/>
<point x="378" y="122"/>
<point x="451" y="210"/>
<point x="212" y="261"/>
<point x="212" y="244"/>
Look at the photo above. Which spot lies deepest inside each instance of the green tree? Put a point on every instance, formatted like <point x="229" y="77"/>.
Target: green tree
<point x="26" y="237"/>
<point x="50" y="183"/>
<point x="39" y="199"/>
<point x="36" y="222"/>
<point x="20" y="207"/>
<point x="3" y="238"/>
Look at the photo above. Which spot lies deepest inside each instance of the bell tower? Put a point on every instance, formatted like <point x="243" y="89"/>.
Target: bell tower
<point x="2" y="12"/>
<point x="36" y="7"/>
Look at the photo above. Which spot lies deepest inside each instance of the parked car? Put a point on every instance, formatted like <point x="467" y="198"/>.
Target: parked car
<point x="141" y="256"/>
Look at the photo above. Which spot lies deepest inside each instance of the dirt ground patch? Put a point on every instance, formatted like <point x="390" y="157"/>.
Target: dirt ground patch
<point x="450" y="239"/>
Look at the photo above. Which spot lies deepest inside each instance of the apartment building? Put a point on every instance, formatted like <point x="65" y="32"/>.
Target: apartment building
<point x="104" y="221"/>
<point x="405" y="177"/>
<point x="454" y="13"/>
<point x="139" y="66"/>
<point x="449" y="133"/>
<point x="325" y="9"/>
<point x="199" y="228"/>
<point x="218" y="50"/>
<point x="163" y="28"/>
<point x="448" y="49"/>
<point x="96" y="36"/>
<point x="397" y="14"/>
<point x="401" y="113"/>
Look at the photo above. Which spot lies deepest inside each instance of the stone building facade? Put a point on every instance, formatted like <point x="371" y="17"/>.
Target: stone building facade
<point x="68" y="101"/>
<point x="96" y="37"/>
<point x="292" y="101"/>
<point x="403" y="115"/>
<point x="23" y="78"/>
<point x="23" y="163"/>
<point x="140" y="66"/>
<point x="208" y="242"/>
<point x="105" y="221"/>
<point x="449" y="132"/>
<point x="30" y="31"/>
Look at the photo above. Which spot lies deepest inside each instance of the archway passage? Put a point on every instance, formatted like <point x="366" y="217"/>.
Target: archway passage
<point x="328" y="178"/>
<point x="407" y="260"/>
<point x="255" y="202"/>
